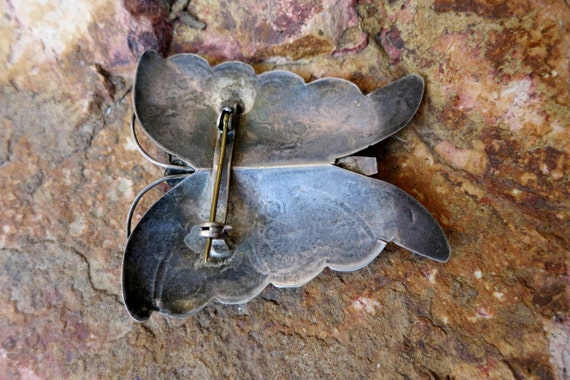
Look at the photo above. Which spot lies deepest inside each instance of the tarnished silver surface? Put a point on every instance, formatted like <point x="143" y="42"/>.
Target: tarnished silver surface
<point x="287" y="122"/>
<point x="292" y="213"/>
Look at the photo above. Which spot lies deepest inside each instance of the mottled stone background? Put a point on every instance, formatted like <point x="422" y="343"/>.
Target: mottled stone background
<point x="488" y="154"/>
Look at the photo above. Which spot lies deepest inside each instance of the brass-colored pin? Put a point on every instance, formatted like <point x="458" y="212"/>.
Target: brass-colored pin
<point x="224" y="127"/>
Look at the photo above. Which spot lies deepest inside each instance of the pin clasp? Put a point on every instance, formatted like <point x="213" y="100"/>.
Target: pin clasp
<point x="216" y="233"/>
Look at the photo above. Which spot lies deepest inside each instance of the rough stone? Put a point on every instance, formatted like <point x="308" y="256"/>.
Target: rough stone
<point x="488" y="154"/>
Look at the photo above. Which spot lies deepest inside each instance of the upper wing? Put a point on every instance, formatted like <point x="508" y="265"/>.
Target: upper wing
<point x="284" y="120"/>
<point x="288" y="224"/>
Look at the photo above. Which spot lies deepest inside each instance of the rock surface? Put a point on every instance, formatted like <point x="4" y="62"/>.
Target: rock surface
<point x="488" y="154"/>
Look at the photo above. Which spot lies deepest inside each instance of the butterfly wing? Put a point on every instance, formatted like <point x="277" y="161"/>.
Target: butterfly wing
<point x="288" y="225"/>
<point x="284" y="120"/>
<point x="162" y="272"/>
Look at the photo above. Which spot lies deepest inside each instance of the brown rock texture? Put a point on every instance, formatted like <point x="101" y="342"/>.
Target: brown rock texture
<point x="488" y="154"/>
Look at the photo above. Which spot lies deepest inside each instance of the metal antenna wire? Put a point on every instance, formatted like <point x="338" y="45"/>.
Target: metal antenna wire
<point x="185" y="168"/>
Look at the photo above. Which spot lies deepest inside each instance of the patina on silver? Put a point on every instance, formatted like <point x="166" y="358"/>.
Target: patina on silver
<point x="287" y="211"/>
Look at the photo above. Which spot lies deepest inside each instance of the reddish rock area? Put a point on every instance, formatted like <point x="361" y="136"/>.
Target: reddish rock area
<point x="488" y="154"/>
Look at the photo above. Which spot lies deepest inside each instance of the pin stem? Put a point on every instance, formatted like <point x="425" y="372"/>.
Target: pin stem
<point x="224" y="129"/>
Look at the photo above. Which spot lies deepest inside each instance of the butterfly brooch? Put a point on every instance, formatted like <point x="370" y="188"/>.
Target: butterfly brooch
<point x="265" y="185"/>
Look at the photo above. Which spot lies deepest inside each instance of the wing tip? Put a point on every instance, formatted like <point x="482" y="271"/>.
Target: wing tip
<point x="432" y="244"/>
